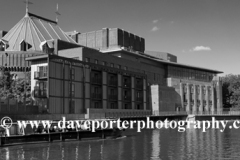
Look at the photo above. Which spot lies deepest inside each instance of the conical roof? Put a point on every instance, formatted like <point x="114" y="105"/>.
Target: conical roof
<point x="34" y="30"/>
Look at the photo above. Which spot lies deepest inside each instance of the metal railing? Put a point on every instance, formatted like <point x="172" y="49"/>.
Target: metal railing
<point x="112" y="82"/>
<point x="112" y="97"/>
<point x="96" y="96"/>
<point x="127" y="114"/>
<point x="215" y="113"/>
<point x="127" y="98"/>
<point x="140" y="99"/>
<point x="40" y="75"/>
<point x="97" y="80"/>
<point x="40" y="93"/>
<point x="127" y="84"/>
<point x="170" y="113"/>
<point x="139" y="86"/>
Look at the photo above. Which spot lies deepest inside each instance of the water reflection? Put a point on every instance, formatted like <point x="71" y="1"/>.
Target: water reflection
<point x="149" y="144"/>
<point x="155" y="145"/>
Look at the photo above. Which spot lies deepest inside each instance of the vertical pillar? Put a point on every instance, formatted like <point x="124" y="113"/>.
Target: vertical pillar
<point x="182" y="95"/>
<point x="145" y="95"/>
<point x="120" y="91"/>
<point x="133" y="92"/>
<point x="188" y="98"/>
<point x="212" y="98"/>
<point x="104" y="91"/>
<point x="207" y="98"/>
<point x="219" y="95"/>
<point x="201" y="98"/>
<point x="195" y="98"/>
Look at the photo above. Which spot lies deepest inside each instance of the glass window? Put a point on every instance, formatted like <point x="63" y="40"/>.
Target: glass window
<point x="96" y="105"/>
<point x="96" y="61"/>
<point x="72" y="73"/>
<point x="23" y="46"/>
<point x="104" y="63"/>
<point x="71" y="106"/>
<point x="71" y="89"/>
<point x="96" y="90"/>
<point x="2" y="46"/>
<point x="87" y="59"/>
<point x="112" y="105"/>
<point x="111" y="65"/>
<point x="119" y="66"/>
<point x="138" y="94"/>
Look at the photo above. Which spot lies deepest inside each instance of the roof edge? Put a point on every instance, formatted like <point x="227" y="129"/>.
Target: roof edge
<point x="162" y="61"/>
<point x="39" y="17"/>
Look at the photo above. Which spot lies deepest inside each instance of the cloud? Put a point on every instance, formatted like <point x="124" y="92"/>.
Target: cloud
<point x="155" y="28"/>
<point x="155" y="21"/>
<point x="201" y="48"/>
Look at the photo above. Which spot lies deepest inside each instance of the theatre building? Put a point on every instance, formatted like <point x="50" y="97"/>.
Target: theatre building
<point x="104" y="72"/>
<point x="68" y="86"/>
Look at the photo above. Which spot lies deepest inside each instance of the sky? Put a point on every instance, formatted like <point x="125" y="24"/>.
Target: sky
<point x="204" y="33"/>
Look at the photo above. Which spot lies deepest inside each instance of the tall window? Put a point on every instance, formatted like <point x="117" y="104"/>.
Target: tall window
<point x="71" y="106"/>
<point x="96" y="61"/>
<point x="23" y="46"/>
<point x="42" y="88"/>
<point x="96" y="90"/>
<point x="112" y="106"/>
<point x="185" y="97"/>
<point x="2" y="46"/>
<point x="97" y="105"/>
<point x="104" y="63"/>
<point x="138" y="94"/>
<point x="42" y="71"/>
<point x="125" y="93"/>
<point x="72" y="74"/>
<point x="71" y="89"/>
<point x="42" y="85"/>
<point x="112" y="92"/>
<point x="111" y="65"/>
<point x="87" y="59"/>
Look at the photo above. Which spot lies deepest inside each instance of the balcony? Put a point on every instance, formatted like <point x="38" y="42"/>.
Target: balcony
<point x="127" y="98"/>
<point x="139" y="99"/>
<point x="97" y="80"/>
<point x="96" y="96"/>
<point x="112" y="82"/>
<point x="113" y="97"/>
<point x="127" y="85"/>
<point x="40" y="93"/>
<point x="139" y="86"/>
<point x="40" y="75"/>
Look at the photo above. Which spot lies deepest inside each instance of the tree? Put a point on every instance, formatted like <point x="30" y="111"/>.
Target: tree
<point x="14" y="88"/>
<point x="231" y="91"/>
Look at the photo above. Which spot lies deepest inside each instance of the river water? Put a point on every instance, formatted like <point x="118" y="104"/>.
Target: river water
<point x="157" y="144"/>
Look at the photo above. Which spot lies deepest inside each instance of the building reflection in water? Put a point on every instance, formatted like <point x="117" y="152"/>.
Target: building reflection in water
<point x="76" y="157"/>
<point x="155" y="145"/>
<point x="149" y="144"/>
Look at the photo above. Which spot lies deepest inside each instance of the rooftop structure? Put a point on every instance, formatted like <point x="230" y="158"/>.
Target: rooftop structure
<point x="104" y="71"/>
<point x="31" y="32"/>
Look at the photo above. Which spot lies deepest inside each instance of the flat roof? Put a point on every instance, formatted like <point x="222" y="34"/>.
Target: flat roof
<point x="144" y="55"/>
<point x="140" y="55"/>
<point x="37" y="57"/>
